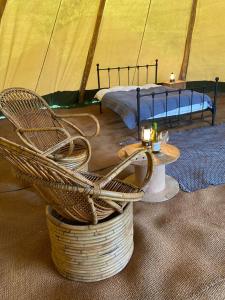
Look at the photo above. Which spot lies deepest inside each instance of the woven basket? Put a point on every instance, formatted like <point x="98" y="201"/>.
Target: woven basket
<point x="91" y="253"/>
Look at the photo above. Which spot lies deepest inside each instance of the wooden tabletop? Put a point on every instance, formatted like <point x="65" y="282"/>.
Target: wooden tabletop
<point x="167" y="154"/>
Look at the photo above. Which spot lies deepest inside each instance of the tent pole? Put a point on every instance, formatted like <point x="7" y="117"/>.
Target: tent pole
<point x="187" y="49"/>
<point x="91" y="51"/>
<point x="2" y="8"/>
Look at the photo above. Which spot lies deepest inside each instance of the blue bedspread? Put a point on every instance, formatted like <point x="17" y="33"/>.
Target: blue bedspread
<point x="124" y="103"/>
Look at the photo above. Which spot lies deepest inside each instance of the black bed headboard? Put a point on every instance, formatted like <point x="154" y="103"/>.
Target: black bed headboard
<point x="128" y="68"/>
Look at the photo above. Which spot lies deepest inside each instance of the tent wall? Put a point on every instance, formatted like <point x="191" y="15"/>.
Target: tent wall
<point x="41" y="52"/>
<point x="165" y="35"/>
<point x="125" y="40"/>
<point x="24" y="37"/>
<point x="120" y="37"/>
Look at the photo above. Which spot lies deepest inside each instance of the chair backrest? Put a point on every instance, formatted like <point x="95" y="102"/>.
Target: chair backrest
<point x="26" y="109"/>
<point x="40" y="169"/>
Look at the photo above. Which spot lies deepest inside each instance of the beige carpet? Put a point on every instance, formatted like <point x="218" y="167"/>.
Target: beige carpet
<point x="179" y="244"/>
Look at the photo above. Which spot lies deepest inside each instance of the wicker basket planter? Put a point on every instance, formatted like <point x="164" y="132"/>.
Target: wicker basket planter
<point x="91" y="252"/>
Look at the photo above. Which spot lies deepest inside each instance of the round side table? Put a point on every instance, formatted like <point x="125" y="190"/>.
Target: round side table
<point x="161" y="187"/>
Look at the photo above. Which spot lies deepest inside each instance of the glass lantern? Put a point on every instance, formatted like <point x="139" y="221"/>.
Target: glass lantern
<point x="172" y="77"/>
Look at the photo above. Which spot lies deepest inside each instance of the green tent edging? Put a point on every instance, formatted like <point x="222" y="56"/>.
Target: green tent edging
<point x="69" y="99"/>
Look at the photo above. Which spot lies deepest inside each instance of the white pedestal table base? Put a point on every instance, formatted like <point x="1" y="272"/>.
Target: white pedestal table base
<point x="160" y="188"/>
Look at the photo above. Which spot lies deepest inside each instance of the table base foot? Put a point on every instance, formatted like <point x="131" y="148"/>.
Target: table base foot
<point x="171" y="189"/>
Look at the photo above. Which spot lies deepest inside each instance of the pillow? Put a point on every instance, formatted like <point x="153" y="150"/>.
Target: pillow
<point x="149" y="85"/>
<point x="101" y="93"/>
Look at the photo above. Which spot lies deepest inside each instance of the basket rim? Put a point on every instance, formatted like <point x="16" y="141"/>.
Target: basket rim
<point x="60" y="223"/>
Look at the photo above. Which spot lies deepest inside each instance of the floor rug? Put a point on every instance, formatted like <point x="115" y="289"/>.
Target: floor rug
<point x="202" y="159"/>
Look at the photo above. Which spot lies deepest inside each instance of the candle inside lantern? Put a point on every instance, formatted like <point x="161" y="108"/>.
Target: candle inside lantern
<point x="172" y="77"/>
<point x="146" y="136"/>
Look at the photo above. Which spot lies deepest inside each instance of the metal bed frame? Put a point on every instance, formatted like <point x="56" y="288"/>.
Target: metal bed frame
<point x="168" y="120"/>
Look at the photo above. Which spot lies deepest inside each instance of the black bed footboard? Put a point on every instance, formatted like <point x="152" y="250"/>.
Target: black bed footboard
<point x="167" y="119"/>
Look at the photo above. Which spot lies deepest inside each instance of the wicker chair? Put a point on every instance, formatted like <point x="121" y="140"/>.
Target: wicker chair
<point x="75" y="195"/>
<point x="44" y="131"/>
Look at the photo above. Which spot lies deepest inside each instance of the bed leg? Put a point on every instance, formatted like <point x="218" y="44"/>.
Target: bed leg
<point x="213" y="115"/>
<point x="215" y="100"/>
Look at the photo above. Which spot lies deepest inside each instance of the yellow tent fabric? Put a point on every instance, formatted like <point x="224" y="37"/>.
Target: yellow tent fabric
<point x="44" y="44"/>
<point x="25" y="33"/>
<point x="120" y="40"/>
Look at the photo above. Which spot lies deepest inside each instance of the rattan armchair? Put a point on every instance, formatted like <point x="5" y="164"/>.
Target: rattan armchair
<point x="75" y="195"/>
<point x="44" y="131"/>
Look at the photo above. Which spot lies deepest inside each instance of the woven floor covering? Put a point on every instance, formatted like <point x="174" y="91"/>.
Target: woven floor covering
<point x="202" y="160"/>
<point x="179" y="250"/>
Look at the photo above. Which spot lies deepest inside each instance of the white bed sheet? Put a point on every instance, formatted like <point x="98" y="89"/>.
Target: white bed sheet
<point x="183" y="110"/>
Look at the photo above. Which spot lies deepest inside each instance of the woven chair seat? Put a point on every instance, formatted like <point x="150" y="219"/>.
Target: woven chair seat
<point x="42" y="130"/>
<point x="75" y="205"/>
<point x="75" y="159"/>
<point x="76" y="195"/>
<point x="115" y="185"/>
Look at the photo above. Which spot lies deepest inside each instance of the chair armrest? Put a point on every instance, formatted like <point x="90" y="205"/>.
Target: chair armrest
<point x="124" y="164"/>
<point x="20" y="132"/>
<point x="49" y="152"/>
<point x="42" y="129"/>
<point x="67" y="141"/>
<point x="94" y="119"/>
